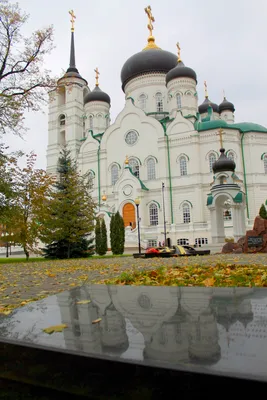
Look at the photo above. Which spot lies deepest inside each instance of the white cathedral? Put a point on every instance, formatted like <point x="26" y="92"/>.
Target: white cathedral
<point x="162" y="151"/>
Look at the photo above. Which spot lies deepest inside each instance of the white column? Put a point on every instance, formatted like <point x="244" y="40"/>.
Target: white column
<point x="217" y="225"/>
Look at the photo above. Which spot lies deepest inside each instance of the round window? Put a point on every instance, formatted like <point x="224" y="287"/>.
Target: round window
<point x="131" y="138"/>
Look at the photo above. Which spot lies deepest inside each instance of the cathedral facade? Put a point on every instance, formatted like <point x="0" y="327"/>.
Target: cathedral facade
<point x="160" y="150"/>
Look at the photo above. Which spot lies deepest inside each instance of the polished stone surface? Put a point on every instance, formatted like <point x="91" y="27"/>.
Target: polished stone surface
<point x="218" y="331"/>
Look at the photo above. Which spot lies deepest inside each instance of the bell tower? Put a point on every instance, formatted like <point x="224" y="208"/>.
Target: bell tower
<point x="66" y="110"/>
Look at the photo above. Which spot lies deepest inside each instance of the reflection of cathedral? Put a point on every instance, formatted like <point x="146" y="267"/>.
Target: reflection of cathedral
<point x="166" y="324"/>
<point x="169" y="137"/>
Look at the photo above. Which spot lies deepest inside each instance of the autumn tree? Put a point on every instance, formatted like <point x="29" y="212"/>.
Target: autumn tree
<point x="24" y="82"/>
<point x="31" y="189"/>
<point x="68" y="226"/>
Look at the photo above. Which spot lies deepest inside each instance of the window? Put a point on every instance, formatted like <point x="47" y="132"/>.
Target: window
<point x="265" y="163"/>
<point x="179" y="101"/>
<point x="152" y="243"/>
<point x="133" y="164"/>
<point x="231" y="156"/>
<point x="159" y="102"/>
<point x="182" y="242"/>
<point x="183" y="166"/>
<point x="62" y="120"/>
<point x="227" y="215"/>
<point x="131" y="138"/>
<point x="153" y="214"/>
<point x="114" y="174"/>
<point x="200" y="241"/>
<point x="151" y="169"/>
<point x="142" y="101"/>
<point x="91" y="122"/>
<point x="186" y="213"/>
<point x="91" y="176"/>
<point x="107" y="121"/>
<point x="212" y="159"/>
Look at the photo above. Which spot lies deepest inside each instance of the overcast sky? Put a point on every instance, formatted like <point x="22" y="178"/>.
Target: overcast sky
<point x="223" y="41"/>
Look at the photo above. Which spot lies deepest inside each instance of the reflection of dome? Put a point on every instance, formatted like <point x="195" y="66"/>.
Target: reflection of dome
<point x="180" y="71"/>
<point x="226" y="106"/>
<point x="223" y="163"/>
<point x="203" y="108"/>
<point x="245" y="319"/>
<point x="147" y="61"/>
<point x="97" y="95"/>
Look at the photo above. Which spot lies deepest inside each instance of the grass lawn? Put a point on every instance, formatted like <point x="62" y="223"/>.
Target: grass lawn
<point x="12" y="260"/>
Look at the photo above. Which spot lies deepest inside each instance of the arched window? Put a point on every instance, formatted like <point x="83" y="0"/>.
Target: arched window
<point x="179" y="101"/>
<point x="114" y="174"/>
<point x="231" y="155"/>
<point x="265" y="163"/>
<point x="91" y="122"/>
<point x="91" y="177"/>
<point x="100" y="121"/>
<point x="142" y="101"/>
<point x="62" y="120"/>
<point x="134" y="165"/>
<point x="153" y="214"/>
<point x="212" y="159"/>
<point x="227" y="215"/>
<point x="159" y="102"/>
<point x="186" y="213"/>
<point x="107" y="121"/>
<point x="151" y="169"/>
<point x="183" y="166"/>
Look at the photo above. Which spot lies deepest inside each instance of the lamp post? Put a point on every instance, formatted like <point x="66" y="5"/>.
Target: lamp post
<point x="4" y="235"/>
<point x="137" y="203"/>
<point x="164" y="216"/>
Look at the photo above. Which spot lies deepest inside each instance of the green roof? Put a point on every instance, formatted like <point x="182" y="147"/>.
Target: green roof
<point x="143" y="186"/>
<point x="209" y="199"/>
<point x="243" y="127"/>
<point x="238" y="198"/>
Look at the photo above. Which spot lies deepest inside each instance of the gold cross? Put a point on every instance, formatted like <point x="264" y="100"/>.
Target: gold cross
<point x="179" y="51"/>
<point x="221" y="133"/>
<point x="206" y="89"/>
<point x="97" y="73"/>
<point x="73" y="17"/>
<point x="150" y="19"/>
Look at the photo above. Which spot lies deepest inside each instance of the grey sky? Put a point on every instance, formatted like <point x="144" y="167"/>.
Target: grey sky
<point x="224" y="42"/>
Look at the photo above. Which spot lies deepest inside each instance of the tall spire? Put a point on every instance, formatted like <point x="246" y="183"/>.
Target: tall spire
<point x="72" y="66"/>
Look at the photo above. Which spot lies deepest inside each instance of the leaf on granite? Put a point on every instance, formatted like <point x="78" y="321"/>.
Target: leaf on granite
<point x="55" y="328"/>
<point x="96" y="321"/>
<point x="83" y="302"/>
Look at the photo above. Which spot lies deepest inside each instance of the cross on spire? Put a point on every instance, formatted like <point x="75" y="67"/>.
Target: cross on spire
<point x="179" y="51"/>
<point x="221" y="133"/>
<point x="206" y="89"/>
<point x="97" y="73"/>
<point x="73" y="17"/>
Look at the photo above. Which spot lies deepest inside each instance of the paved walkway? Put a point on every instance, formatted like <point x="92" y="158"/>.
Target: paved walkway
<point x="25" y="282"/>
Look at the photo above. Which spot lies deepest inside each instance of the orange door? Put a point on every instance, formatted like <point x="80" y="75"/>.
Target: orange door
<point x="128" y="214"/>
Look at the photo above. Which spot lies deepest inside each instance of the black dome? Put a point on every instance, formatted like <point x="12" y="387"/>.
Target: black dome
<point x="223" y="163"/>
<point x="151" y="60"/>
<point x="97" y="95"/>
<point x="205" y="105"/>
<point x="181" y="71"/>
<point x="226" y="105"/>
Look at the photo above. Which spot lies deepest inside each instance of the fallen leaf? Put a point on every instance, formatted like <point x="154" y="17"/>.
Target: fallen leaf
<point x="209" y="282"/>
<point x="83" y="302"/>
<point x="55" y="328"/>
<point x="96" y="321"/>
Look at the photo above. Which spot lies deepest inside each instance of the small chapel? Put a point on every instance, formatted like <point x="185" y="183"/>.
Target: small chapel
<point x="192" y="172"/>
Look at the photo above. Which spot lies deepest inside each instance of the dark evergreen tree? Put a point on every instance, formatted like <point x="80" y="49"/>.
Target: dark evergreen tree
<point x="104" y="242"/>
<point x="117" y="234"/>
<point x="263" y="212"/>
<point x="98" y="236"/>
<point x="71" y="212"/>
<point x="112" y="233"/>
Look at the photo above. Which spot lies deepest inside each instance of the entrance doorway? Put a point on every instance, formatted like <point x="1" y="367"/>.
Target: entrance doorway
<point x="128" y="214"/>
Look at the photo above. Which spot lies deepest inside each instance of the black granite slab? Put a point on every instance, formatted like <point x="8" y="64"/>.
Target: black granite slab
<point x="148" y="339"/>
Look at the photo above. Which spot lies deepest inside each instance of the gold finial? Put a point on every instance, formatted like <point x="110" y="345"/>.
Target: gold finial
<point x="126" y="162"/>
<point x="221" y="133"/>
<point x="150" y="40"/>
<point x="179" y="51"/>
<point x="73" y="17"/>
<point x="206" y="89"/>
<point x="97" y="73"/>
<point x="104" y="197"/>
